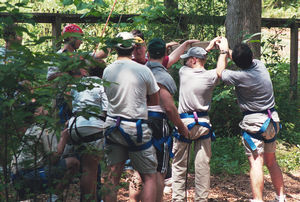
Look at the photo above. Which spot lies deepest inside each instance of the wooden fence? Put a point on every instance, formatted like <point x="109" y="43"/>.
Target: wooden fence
<point x="56" y="19"/>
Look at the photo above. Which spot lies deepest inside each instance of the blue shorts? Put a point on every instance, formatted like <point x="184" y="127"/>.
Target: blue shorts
<point x="30" y="181"/>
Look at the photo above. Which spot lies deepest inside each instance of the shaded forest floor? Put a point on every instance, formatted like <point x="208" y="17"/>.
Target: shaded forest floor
<point x="223" y="188"/>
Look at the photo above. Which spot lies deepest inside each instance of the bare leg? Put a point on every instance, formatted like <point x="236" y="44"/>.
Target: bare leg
<point x="72" y="169"/>
<point x="275" y="172"/>
<point x="160" y="186"/>
<point x="112" y="181"/>
<point x="257" y="175"/>
<point x="135" y="186"/>
<point x="88" y="179"/>
<point x="149" y="191"/>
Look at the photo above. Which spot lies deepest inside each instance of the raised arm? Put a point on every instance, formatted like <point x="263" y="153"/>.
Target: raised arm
<point x="224" y="52"/>
<point x="175" y="55"/>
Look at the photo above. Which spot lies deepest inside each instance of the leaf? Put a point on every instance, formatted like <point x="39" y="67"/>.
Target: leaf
<point x="67" y="2"/>
<point x="100" y="2"/>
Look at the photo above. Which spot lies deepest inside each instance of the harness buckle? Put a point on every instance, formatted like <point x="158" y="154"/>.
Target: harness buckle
<point x="118" y="121"/>
<point x="195" y="117"/>
<point x="269" y="113"/>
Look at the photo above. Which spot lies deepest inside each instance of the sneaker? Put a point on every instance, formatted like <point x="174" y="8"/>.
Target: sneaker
<point x="279" y="199"/>
<point x="52" y="198"/>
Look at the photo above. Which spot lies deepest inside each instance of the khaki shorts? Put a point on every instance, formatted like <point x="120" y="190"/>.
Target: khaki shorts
<point x="197" y="131"/>
<point x="260" y="144"/>
<point x="143" y="161"/>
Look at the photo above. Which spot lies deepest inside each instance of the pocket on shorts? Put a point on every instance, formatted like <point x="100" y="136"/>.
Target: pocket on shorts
<point x="271" y="132"/>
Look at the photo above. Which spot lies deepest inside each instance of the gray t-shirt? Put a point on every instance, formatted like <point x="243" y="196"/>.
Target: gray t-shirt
<point x="28" y="158"/>
<point x="196" y="89"/>
<point x="127" y="94"/>
<point x="253" y="87"/>
<point x="162" y="76"/>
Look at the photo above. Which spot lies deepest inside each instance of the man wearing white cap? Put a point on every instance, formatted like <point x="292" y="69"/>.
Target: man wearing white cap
<point x="128" y="136"/>
<point x="195" y="93"/>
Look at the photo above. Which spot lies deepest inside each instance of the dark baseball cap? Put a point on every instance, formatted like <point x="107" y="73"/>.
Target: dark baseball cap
<point x="157" y="46"/>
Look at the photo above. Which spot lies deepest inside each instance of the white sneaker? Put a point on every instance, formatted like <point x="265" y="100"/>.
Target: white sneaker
<point x="52" y="198"/>
<point x="279" y="199"/>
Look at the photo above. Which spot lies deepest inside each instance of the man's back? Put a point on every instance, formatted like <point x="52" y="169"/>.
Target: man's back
<point x="196" y="88"/>
<point x="127" y="94"/>
<point x="253" y="87"/>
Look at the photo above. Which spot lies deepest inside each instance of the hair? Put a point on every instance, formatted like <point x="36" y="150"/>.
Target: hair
<point x="157" y="55"/>
<point x="96" y="71"/>
<point x="242" y="55"/>
<point x="138" y="33"/>
<point x="124" y="52"/>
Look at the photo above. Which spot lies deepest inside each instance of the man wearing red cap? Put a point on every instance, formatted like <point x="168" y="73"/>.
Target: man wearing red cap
<point x="71" y="44"/>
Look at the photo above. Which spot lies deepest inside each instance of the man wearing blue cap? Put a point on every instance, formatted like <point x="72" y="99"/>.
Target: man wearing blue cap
<point x="195" y="93"/>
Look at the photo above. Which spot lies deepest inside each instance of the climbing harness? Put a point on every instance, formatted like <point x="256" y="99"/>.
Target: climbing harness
<point x="163" y="140"/>
<point x="78" y="138"/>
<point x="247" y="136"/>
<point x="195" y="115"/>
<point x="131" y="145"/>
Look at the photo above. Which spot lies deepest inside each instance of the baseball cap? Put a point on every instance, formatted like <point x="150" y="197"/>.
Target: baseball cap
<point x="157" y="46"/>
<point x="197" y="52"/>
<point x="125" y="36"/>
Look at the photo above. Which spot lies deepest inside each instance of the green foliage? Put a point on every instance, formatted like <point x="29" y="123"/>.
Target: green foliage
<point x="228" y="156"/>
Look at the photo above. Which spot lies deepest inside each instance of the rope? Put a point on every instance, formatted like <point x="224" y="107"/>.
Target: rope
<point x="103" y="31"/>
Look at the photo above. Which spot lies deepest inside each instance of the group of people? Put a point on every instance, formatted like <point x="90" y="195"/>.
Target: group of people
<point x="132" y="118"/>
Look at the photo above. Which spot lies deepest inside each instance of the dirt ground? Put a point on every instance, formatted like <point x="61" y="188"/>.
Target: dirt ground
<point x="223" y="188"/>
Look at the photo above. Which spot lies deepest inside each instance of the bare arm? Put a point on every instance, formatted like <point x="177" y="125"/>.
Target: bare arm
<point x="224" y="52"/>
<point x="167" y="103"/>
<point x="153" y="99"/>
<point x="175" y="55"/>
<point x="62" y="141"/>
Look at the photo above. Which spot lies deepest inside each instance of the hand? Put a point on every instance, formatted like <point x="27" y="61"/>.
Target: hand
<point x="65" y="134"/>
<point x="184" y="131"/>
<point x="212" y="43"/>
<point x="223" y="44"/>
<point x="172" y="43"/>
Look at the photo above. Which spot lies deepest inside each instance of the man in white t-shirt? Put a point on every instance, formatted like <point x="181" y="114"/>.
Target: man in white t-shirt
<point x="260" y="124"/>
<point x="195" y="94"/>
<point x="132" y="87"/>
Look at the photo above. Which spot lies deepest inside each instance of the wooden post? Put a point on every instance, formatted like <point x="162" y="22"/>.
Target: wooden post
<point x="294" y="62"/>
<point x="56" y="32"/>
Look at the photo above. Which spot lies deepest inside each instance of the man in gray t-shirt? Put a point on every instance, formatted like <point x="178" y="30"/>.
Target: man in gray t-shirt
<point x="195" y="93"/>
<point x="255" y="95"/>
<point x="132" y="87"/>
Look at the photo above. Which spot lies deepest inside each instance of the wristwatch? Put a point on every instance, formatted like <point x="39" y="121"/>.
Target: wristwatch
<point x="224" y="52"/>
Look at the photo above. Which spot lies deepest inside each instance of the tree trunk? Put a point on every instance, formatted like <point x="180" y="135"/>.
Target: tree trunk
<point x="243" y="17"/>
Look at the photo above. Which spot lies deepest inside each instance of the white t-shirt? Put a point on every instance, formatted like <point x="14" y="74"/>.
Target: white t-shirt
<point x="46" y="142"/>
<point x="127" y="94"/>
<point x="95" y="98"/>
<point x="196" y="89"/>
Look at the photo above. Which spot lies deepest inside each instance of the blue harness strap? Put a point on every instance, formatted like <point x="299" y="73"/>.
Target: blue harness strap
<point x="126" y="136"/>
<point x="247" y="136"/>
<point x="195" y="115"/>
<point x="168" y="139"/>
